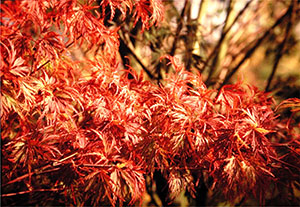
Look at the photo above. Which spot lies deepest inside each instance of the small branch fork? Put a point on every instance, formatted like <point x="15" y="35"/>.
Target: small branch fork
<point x="281" y="47"/>
<point x="136" y="58"/>
<point x="179" y="28"/>
<point x="223" y="36"/>
<point x="44" y="169"/>
<point x="257" y="44"/>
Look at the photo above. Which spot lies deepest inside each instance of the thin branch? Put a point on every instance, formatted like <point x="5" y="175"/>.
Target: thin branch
<point x="223" y="35"/>
<point x="196" y="44"/>
<point x="189" y="45"/>
<point x="18" y="179"/>
<point x="281" y="47"/>
<point x="31" y="191"/>
<point x="41" y="170"/>
<point x="226" y="31"/>
<point x="237" y="17"/>
<point x="178" y="30"/>
<point x="97" y="166"/>
<point x="48" y="61"/>
<point x="136" y="58"/>
<point x="218" y="47"/>
<point x="251" y="50"/>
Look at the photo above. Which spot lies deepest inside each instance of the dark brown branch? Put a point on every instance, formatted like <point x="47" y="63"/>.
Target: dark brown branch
<point x="237" y="17"/>
<point x="178" y="30"/>
<point x="136" y="58"/>
<point x="189" y="45"/>
<point x="223" y="35"/>
<point x="251" y="50"/>
<point x="281" y="47"/>
<point x="226" y="31"/>
<point x="216" y="51"/>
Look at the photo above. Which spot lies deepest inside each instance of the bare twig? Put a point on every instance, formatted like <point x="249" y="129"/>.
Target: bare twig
<point x="178" y="30"/>
<point x="136" y="58"/>
<point x="281" y="47"/>
<point x="223" y="36"/>
<point x="189" y="45"/>
<point x="251" y="50"/>
<point x="218" y="47"/>
<point x="226" y="31"/>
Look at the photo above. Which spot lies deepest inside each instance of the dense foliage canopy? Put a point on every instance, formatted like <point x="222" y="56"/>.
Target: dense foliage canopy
<point x="85" y="128"/>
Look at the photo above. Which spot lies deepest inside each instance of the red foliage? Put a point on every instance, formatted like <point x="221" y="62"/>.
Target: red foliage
<point x="90" y="135"/>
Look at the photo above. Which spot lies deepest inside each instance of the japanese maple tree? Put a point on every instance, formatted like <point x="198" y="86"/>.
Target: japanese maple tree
<point x="89" y="132"/>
